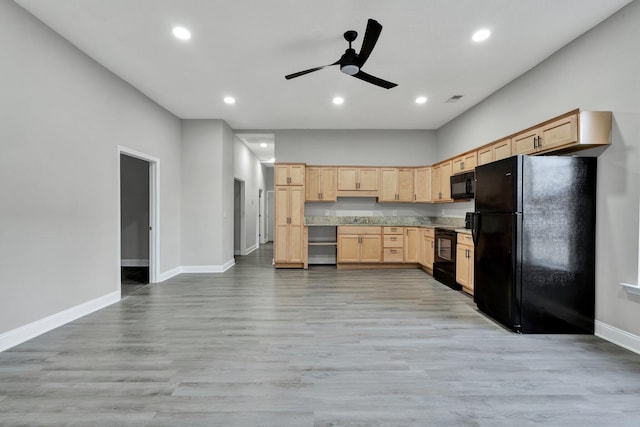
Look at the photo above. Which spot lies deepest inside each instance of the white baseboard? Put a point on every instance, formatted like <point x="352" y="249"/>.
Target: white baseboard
<point x="196" y="269"/>
<point x="618" y="336"/>
<point x="25" y="333"/>
<point x="209" y="268"/>
<point x="251" y="249"/>
<point x="134" y="263"/>
<point x="169" y="274"/>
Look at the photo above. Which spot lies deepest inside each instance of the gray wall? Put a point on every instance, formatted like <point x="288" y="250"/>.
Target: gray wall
<point x="359" y="147"/>
<point x="598" y="71"/>
<point x="207" y="193"/>
<point x="63" y="116"/>
<point x="356" y="147"/>
<point x="248" y="168"/>
<point x="134" y="208"/>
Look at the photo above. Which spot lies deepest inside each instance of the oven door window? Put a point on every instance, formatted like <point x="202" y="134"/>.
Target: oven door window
<point x="445" y="249"/>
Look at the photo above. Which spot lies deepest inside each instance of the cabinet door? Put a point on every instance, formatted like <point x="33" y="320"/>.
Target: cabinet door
<point x="327" y="184"/>
<point x="296" y="206"/>
<point x="559" y="133"/>
<point x="462" y="265"/>
<point x="411" y="244"/>
<point x="422" y="184"/>
<point x="368" y="178"/>
<point x="501" y="149"/>
<point x="347" y="179"/>
<point x="281" y="238"/>
<point x="312" y="188"/>
<point x="389" y="180"/>
<point x="281" y="174"/>
<point x="524" y="143"/>
<point x="445" y="182"/>
<point x="436" y="186"/>
<point x="458" y="165"/>
<point x="470" y="284"/>
<point x="405" y="185"/>
<point x="370" y="248"/>
<point x="348" y="248"/>
<point x="429" y="248"/>
<point x="296" y="173"/>
<point x="485" y="155"/>
<point x="469" y="161"/>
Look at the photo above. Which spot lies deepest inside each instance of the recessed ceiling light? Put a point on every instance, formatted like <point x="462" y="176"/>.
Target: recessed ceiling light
<point x="229" y="100"/>
<point x="263" y="144"/>
<point x="181" y="33"/>
<point x="481" y="35"/>
<point x="338" y="100"/>
<point x="421" y="100"/>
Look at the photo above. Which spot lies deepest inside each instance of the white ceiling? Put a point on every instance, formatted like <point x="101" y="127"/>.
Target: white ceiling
<point x="243" y="48"/>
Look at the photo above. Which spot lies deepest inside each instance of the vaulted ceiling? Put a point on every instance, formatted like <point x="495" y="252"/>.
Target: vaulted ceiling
<point x="244" y="48"/>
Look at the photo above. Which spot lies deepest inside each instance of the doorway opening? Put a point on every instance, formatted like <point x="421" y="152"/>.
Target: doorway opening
<point x="239" y="237"/>
<point x="138" y="210"/>
<point x="271" y="200"/>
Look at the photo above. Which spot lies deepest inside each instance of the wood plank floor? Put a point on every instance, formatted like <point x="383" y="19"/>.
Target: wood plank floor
<point x="262" y="347"/>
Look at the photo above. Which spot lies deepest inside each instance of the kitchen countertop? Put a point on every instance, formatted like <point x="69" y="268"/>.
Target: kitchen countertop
<point x="388" y="221"/>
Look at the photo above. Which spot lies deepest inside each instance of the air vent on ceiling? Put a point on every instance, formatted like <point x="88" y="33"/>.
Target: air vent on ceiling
<point x="454" y="98"/>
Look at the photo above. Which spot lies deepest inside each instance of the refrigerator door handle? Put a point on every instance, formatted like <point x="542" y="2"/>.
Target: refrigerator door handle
<point x="475" y="228"/>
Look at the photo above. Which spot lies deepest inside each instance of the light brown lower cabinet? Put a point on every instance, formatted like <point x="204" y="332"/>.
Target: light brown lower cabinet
<point x="411" y="244"/>
<point x="289" y="225"/>
<point x="465" y="262"/>
<point x="359" y="244"/>
<point x="427" y="248"/>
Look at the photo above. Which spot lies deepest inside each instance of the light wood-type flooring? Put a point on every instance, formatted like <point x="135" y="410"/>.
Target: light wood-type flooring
<point x="257" y="346"/>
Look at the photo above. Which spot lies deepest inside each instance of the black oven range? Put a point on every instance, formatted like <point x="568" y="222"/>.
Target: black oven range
<point x="444" y="261"/>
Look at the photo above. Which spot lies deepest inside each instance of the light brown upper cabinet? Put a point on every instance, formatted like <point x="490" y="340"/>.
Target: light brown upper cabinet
<point x="396" y="185"/>
<point x="289" y="173"/>
<point x="441" y="182"/>
<point x="358" y="179"/>
<point x="422" y="184"/>
<point x="549" y="136"/>
<point x="321" y="184"/>
<point x="465" y="163"/>
<point x="496" y="151"/>
<point x="574" y="131"/>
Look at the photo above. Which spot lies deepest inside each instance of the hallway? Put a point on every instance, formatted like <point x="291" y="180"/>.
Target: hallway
<point x="259" y="346"/>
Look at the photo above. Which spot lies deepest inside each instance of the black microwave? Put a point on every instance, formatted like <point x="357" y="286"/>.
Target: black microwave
<point x="463" y="186"/>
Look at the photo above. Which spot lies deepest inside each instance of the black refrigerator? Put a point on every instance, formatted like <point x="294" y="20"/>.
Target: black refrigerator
<point x="534" y="235"/>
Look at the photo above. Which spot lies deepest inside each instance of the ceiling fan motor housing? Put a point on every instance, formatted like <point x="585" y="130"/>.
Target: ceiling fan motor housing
<point x="349" y="62"/>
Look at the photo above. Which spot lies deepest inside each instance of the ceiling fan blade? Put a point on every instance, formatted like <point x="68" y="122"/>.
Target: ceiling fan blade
<point x="374" y="80"/>
<point x="370" y="39"/>
<point x="310" y="70"/>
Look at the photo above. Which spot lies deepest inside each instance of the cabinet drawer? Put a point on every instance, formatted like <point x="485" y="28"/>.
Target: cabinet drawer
<point x="393" y="255"/>
<point x="393" y="241"/>
<point x="465" y="239"/>
<point x="358" y="230"/>
<point x="393" y="230"/>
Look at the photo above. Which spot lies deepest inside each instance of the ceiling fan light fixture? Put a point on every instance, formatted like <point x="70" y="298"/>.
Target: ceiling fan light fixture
<point x="350" y="69"/>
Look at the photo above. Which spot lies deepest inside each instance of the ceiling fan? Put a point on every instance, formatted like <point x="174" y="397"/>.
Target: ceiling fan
<point x="351" y="62"/>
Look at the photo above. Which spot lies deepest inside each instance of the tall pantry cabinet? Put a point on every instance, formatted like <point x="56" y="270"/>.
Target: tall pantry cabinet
<point x="288" y="246"/>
